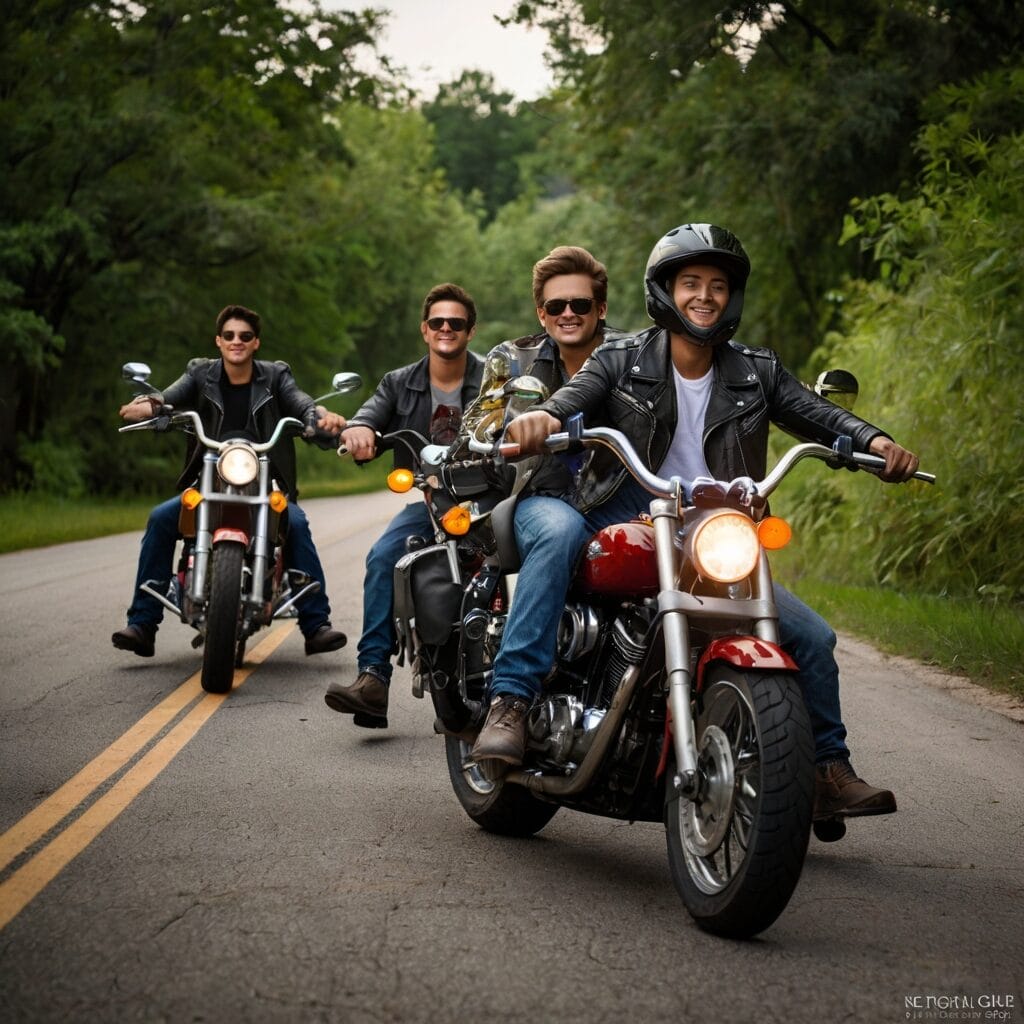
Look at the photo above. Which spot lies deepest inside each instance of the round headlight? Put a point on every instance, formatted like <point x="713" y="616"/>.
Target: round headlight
<point x="238" y="465"/>
<point x="725" y="547"/>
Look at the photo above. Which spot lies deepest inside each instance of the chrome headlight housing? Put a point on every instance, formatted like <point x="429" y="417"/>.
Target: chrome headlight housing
<point x="725" y="547"/>
<point x="238" y="465"/>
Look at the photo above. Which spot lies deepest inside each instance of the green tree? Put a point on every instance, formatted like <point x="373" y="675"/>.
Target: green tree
<point x="147" y="150"/>
<point x="937" y="340"/>
<point x="481" y="135"/>
<point x="767" y="117"/>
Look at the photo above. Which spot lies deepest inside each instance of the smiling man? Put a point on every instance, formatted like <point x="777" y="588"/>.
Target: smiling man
<point x="235" y="394"/>
<point x="570" y="293"/>
<point x="427" y="396"/>
<point x="694" y="403"/>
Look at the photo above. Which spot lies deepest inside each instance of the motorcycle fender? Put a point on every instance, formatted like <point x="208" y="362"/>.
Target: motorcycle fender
<point x="744" y="652"/>
<point x="228" y="533"/>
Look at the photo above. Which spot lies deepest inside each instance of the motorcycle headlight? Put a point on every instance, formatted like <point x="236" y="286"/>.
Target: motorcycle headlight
<point x="725" y="547"/>
<point x="238" y="465"/>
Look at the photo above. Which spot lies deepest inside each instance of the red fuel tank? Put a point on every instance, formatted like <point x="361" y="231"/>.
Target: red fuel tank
<point x="620" y="561"/>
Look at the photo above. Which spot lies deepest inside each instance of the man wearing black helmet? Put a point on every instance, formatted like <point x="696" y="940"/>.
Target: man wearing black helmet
<point x="698" y="404"/>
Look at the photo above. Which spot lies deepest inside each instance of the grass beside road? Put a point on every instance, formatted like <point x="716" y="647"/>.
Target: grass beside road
<point x="980" y="640"/>
<point x="977" y="639"/>
<point x="34" y="521"/>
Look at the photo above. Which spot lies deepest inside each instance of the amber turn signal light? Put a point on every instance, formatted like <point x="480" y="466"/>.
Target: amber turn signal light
<point x="400" y="480"/>
<point x="456" y="521"/>
<point x="190" y="498"/>
<point x="774" y="533"/>
<point x="278" y="501"/>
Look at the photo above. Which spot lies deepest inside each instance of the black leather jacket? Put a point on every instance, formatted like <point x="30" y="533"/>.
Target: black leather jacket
<point x="538" y="356"/>
<point x="403" y="401"/>
<point x="627" y="384"/>
<point x="274" y="394"/>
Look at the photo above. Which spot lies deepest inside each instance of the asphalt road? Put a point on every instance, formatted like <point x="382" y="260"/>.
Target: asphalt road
<point x="174" y="857"/>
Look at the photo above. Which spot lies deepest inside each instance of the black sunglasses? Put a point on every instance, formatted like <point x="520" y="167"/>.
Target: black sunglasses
<point x="579" y="306"/>
<point x="245" y="336"/>
<point x="456" y="323"/>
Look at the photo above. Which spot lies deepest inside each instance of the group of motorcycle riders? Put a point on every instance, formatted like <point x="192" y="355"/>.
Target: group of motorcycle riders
<point x="691" y="400"/>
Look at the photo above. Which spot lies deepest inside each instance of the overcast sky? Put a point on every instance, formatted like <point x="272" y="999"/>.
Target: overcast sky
<point x="437" y="39"/>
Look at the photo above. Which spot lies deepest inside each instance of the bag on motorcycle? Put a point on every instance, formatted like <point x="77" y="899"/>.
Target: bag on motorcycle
<point x="428" y="593"/>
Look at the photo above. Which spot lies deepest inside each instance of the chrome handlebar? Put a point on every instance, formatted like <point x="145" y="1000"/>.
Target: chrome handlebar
<point x="190" y="415"/>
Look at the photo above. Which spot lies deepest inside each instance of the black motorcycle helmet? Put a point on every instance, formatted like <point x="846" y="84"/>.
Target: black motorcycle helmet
<point x="695" y="243"/>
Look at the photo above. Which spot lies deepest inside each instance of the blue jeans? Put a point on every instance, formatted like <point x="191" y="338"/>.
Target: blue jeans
<point x="551" y="534"/>
<point x="378" y="639"/>
<point x="156" y="562"/>
<point x="811" y="642"/>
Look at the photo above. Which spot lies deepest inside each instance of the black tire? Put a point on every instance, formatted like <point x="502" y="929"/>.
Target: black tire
<point x="736" y="854"/>
<point x="496" y="806"/>
<point x="222" y="616"/>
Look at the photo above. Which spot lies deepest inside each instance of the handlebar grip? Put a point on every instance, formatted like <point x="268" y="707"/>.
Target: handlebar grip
<point x="873" y="462"/>
<point x="508" y="450"/>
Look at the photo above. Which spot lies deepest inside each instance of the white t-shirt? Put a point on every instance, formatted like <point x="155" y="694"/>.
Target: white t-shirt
<point x="685" y="456"/>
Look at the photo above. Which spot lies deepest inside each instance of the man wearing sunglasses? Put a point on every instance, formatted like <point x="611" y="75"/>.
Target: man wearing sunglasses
<point x="696" y="403"/>
<point x="235" y="394"/>
<point x="427" y="396"/>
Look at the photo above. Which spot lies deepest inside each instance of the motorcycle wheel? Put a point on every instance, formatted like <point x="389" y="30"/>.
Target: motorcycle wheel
<point x="737" y="851"/>
<point x="505" y="810"/>
<point x="222" y="616"/>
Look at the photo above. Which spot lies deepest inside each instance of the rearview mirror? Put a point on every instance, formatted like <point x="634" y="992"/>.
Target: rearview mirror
<point x="838" y="386"/>
<point x="137" y="372"/>
<point x="341" y="384"/>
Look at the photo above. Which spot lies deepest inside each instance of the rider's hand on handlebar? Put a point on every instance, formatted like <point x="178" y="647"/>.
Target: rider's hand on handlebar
<point x="900" y="464"/>
<point x="361" y="443"/>
<point x="330" y="422"/>
<point x="141" y="407"/>
<point x="530" y="429"/>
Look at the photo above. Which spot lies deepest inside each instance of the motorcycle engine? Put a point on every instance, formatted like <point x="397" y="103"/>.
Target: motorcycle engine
<point x="562" y="727"/>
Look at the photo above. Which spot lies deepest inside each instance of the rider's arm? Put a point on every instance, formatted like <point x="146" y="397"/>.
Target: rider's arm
<point x="374" y="416"/>
<point x="141" y="407"/>
<point x="589" y="389"/>
<point x="180" y="395"/>
<point x="811" y="417"/>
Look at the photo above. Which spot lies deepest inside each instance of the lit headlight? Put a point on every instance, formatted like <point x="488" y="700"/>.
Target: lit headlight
<point x="238" y="465"/>
<point x="725" y="547"/>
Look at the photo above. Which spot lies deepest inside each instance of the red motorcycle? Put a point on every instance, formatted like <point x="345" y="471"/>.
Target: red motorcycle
<point x="670" y="699"/>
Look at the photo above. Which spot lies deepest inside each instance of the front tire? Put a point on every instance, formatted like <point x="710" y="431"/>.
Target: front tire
<point x="222" y="616"/>
<point x="736" y="852"/>
<point x="496" y="806"/>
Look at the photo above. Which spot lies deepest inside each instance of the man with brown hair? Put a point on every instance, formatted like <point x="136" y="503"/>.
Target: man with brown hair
<point x="427" y="396"/>
<point x="236" y="393"/>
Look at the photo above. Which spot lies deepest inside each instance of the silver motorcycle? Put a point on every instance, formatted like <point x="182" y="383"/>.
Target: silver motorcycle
<point x="231" y="579"/>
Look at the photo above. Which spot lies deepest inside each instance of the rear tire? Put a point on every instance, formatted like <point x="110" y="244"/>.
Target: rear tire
<point x="222" y="616"/>
<point x="737" y="852"/>
<point x="496" y="806"/>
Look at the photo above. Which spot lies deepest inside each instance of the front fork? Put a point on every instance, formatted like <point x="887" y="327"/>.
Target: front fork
<point x="260" y="543"/>
<point x="676" y="633"/>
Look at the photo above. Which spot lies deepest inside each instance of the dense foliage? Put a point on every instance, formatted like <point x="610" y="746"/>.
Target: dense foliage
<point x="161" y="160"/>
<point x="940" y="336"/>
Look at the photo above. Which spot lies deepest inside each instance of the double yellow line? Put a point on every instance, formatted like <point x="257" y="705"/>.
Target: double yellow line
<point x="25" y="883"/>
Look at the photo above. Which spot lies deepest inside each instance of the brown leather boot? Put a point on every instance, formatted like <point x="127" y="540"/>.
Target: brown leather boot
<point x="503" y="736"/>
<point x="840" y="793"/>
<point x="366" y="700"/>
